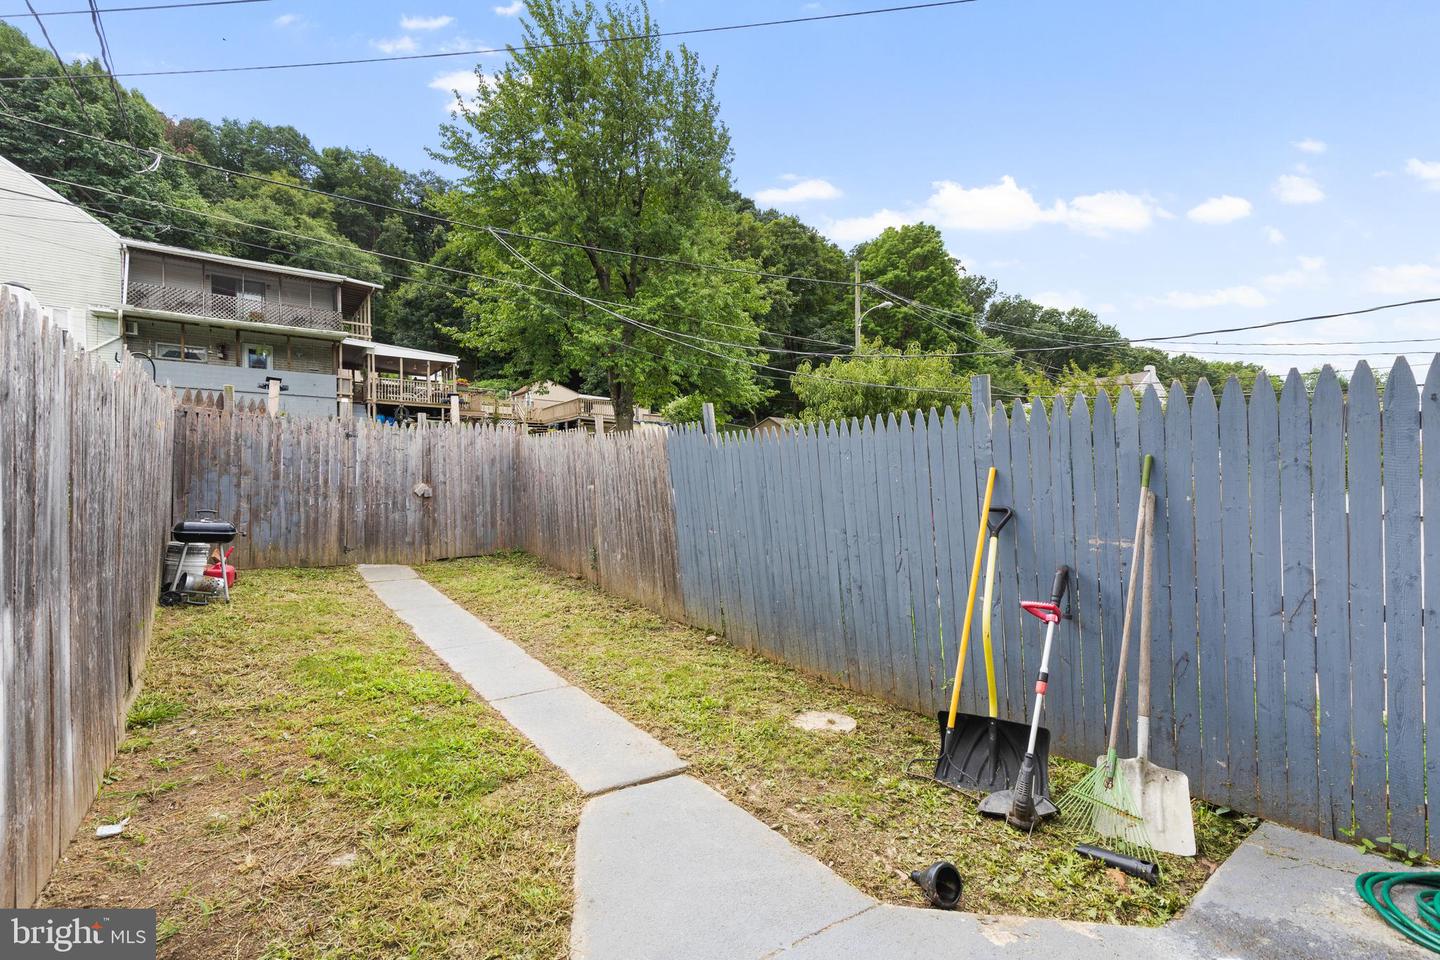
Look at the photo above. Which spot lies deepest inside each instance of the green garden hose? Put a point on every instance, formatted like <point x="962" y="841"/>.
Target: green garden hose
<point x="1376" y="888"/>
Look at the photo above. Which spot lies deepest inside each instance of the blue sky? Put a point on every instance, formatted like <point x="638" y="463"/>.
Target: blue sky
<point x="1174" y="166"/>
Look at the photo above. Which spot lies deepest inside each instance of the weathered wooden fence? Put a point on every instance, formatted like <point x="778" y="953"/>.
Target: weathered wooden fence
<point x="311" y="492"/>
<point x="84" y="499"/>
<point x="1297" y="575"/>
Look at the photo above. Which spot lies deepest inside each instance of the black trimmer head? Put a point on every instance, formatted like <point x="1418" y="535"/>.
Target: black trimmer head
<point x="983" y="754"/>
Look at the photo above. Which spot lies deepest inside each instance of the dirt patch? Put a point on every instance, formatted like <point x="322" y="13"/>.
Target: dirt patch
<point x="843" y="798"/>
<point x="305" y="779"/>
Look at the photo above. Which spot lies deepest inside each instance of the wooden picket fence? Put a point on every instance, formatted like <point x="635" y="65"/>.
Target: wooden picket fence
<point x="1296" y="574"/>
<point x="84" y="479"/>
<point x="1297" y="577"/>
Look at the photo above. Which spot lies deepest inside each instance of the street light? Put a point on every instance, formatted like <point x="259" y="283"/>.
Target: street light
<point x="861" y="316"/>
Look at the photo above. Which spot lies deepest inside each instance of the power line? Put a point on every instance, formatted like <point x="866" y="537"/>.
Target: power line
<point x="64" y="72"/>
<point x="109" y="63"/>
<point x="562" y="44"/>
<point x="424" y="214"/>
<point x="147" y="6"/>
<point x="495" y="231"/>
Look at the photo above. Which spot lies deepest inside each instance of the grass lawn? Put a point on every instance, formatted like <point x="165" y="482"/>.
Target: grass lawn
<point x="305" y="779"/>
<point x="841" y="797"/>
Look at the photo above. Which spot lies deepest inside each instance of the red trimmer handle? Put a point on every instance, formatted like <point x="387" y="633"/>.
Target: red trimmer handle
<point x="1049" y="612"/>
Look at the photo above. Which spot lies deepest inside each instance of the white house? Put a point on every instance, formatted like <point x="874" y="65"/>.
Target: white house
<point x="210" y="321"/>
<point x="70" y="261"/>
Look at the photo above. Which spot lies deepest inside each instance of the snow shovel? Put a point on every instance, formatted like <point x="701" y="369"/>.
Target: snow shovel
<point x="987" y="751"/>
<point x="1021" y="805"/>
<point x="1161" y="796"/>
<point x="957" y="739"/>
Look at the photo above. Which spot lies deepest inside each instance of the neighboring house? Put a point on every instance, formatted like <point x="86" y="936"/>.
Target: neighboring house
<point x="1137" y="382"/>
<point x="396" y="382"/>
<point x="773" y="424"/>
<point x="211" y="321"/>
<point x="549" y="406"/>
<point x="70" y="261"/>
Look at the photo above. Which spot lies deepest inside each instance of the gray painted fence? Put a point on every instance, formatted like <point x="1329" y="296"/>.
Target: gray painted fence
<point x="84" y="482"/>
<point x="1297" y="575"/>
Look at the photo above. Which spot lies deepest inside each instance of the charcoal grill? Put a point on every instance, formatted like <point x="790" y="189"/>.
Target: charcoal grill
<point x="206" y="531"/>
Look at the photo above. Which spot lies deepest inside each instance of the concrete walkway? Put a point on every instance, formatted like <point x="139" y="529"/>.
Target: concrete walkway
<point x="666" y="868"/>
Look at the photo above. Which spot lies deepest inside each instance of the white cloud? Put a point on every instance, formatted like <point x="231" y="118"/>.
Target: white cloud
<point x="425" y="23"/>
<point x="465" y="82"/>
<point x="852" y="230"/>
<point x="1426" y="171"/>
<point x="1006" y="206"/>
<point x="287" y="20"/>
<point x="1241" y="296"/>
<point x="1308" y="272"/>
<point x="1274" y="235"/>
<point x="1100" y="213"/>
<point x="1311" y="145"/>
<point x="1421" y="279"/>
<point x="799" y="191"/>
<point x="511" y="9"/>
<point x="395" y="45"/>
<point x="1001" y="206"/>
<point x="1290" y="188"/>
<point x="1221" y="209"/>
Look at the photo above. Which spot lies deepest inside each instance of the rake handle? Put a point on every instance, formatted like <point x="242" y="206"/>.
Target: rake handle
<point x="1129" y="607"/>
<point x="1142" y="703"/>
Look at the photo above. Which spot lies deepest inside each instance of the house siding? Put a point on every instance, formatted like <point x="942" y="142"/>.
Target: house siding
<point x="67" y="258"/>
<point x="306" y="394"/>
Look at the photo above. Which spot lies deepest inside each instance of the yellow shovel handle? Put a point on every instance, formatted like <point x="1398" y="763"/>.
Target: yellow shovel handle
<point x="970" y="601"/>
<point x="985" y="626"/>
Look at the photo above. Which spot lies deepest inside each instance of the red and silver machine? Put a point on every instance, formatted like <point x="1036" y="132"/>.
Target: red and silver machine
<point x="187" y="576"/>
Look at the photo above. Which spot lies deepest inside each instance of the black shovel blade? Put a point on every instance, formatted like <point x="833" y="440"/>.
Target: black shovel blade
<point x="983" y="754"/>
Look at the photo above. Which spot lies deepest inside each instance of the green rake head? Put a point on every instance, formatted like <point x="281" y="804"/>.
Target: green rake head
<point x="1103" y="805"/>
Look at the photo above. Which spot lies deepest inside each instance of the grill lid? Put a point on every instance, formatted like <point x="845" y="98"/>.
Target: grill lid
<point x="203" y="531"/>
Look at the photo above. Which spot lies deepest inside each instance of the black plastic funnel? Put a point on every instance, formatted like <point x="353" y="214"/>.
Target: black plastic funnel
<point x="940" y="883"/>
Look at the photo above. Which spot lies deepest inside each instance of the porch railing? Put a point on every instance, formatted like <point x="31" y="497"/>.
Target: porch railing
<point x="203" y="303"/>
<point x="385" y="390"/>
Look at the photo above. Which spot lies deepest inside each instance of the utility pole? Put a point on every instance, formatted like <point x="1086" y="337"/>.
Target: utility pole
<point x="857" y="307"/>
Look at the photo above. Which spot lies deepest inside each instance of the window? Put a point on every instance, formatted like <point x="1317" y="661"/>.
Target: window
<point x="224" y="286"/>
<point x="259" y="356"/>
<point x="254" y="291"/>
<point x="176" y="351"/>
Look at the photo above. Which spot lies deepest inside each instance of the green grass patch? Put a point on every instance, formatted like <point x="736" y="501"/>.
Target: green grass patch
<point x="842" y="798"/>
<point x="332" y="791"/>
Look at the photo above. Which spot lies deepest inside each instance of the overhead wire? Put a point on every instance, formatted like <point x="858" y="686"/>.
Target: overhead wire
<point x="59" y="60"/>
<point x="108" y="61"/>
<point x="147" y="6"/>
<point x="559" y="44"/>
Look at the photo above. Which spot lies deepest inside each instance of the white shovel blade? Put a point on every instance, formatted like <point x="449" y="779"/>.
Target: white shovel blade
<point x="1163" y="798"/>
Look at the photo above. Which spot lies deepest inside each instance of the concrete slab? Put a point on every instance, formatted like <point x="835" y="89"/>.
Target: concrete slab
<point x="405" y="594"/>
<point x="596" y="747"/>
<point x="443" y="628"/>
<point x="1284" y="894"/>
<point x="500" y="670"/>
<point x="672" y="869"/>
<point x="379" y="572"/>
<point x="888" y="931"/>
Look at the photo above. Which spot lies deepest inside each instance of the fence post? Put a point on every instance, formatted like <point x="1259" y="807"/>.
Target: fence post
<point x="980" y="395"/>
<point x="707" y="420"/>
<point x="454" y="408"/>
<point x="272" y="396"/>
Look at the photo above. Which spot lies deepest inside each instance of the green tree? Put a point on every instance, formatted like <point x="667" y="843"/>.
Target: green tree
<point x="877" y="382"/>
<point x="613" y="145"/>
<point x="308" y="240"/>
<point x="912" y="261"/>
